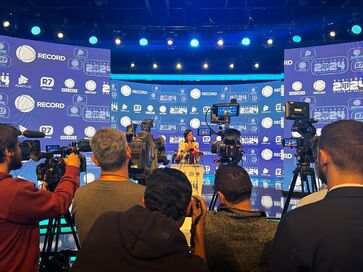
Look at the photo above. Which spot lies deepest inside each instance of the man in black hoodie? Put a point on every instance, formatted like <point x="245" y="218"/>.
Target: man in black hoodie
<point x="148" y="238"/>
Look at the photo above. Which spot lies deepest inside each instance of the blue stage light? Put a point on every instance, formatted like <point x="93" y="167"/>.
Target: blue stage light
<point x="194" y="43"/>
<point x="143" y="42"/>
<point x="246" y="41"/>
<point x="296" y="38"/>
<point x="356" y="29"/>
<point x="93" y="40"/>
<point x="36" y="30"/>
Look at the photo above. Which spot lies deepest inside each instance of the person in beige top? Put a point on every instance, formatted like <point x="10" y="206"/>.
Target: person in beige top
<point x="188" y="150"/>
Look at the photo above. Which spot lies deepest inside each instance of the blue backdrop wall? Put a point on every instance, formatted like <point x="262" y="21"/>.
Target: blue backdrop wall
<point x="60" y="90"/>
<point x="329" y="78"/>
<point x="175" y="108"/>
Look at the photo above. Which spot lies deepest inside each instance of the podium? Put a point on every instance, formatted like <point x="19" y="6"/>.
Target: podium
<point x="194" y="173"/>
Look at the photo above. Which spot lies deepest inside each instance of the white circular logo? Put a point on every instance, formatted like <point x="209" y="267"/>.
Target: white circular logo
<point x="162" y="109"/>
<point x="89" y="177"/>
<point x="25" y="53"/>
<point x="195" y="123"/>
<point x="266" y="202"/>
<point x="319" y="85"/>
<point x="195" y="93"/>
<point x="74" y="110"/>
<point x="90" y="85"/>
<point x="68" y="130"/>
<point x="266" y="154"/>
<point x="267" y="122"/>
<point x="25" y="103"/>
<point x="150" y="108"/>
<point x="357" y="102"/>
<point x="296" y="86"/>
<point x="267" y="91"/>
<point x="2" y="46"/>
<point x="126" y="90"/>
<point x="74" y="63"/>
<point x="90" y="131"/>
<point x="69" y="83"/>
<point x="125" y="121"/>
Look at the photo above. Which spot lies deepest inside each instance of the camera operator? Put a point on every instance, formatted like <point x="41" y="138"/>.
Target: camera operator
<point x="22" y="205"/>
<point x="148" y="238"/>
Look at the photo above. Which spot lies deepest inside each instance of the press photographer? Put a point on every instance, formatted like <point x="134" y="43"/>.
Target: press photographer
<point x="23" y="205"/>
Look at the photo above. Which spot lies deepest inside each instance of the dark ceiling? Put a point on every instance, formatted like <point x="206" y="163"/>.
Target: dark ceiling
<point x="183" y="19"/>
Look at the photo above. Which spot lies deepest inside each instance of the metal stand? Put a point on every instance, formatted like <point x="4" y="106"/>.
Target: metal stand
<point x="53" y="232"/>
<point x="304" y="171"/>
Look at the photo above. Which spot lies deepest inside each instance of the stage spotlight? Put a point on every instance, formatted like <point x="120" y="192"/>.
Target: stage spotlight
<point x="60" y="35"/>
<point x="205" y="66"/>
<point x="231" y="66"/>
<point x="143" y="42"/>
<point x="332" y="34"/>
<point x="155" y="66"/>
<point x="194" y="43"/>
<point x="132" y="65"/>
<point x="93" y="40"/>
<point x="296" y="38"/>
<point x="256" y="65"/>
<point x="270" y="41"/>
<point x="356" y="29"/>
<point x="118" y="41"/>
<point x="170" y="41"/>
<point x="220" y="42"/>
<point x="6" y="23"/>
<point x="246" y="41"/>
<point x="179" y="66"/>
<point x="35" y="30"/>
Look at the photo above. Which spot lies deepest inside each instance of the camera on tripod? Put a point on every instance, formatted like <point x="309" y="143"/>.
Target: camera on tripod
<point x="303" y="124"/>
<point x="229" y="148"/>
<point x="146" y="152"/>
<point x="54" y="167"/>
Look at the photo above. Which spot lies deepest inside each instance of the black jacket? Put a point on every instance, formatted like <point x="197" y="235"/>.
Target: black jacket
<point x="324" y="236"/>
<point x="136" y="240"/>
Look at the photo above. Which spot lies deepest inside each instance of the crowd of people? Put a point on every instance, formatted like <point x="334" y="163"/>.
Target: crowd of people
<point x="124" y="226"/>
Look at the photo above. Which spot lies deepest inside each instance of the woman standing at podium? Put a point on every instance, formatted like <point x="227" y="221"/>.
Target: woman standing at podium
<point x="188" y="150"/>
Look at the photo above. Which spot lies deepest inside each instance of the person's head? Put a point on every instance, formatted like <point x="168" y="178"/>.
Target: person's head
<point x="188" y="135"/>
<point x="10" y="153"/>
<point x="315" y="149"/>
<point x="169" y="192"/>
<point x="110" y="149"/>
<point x="233" y="184"/>
<point x="341" y="149"/>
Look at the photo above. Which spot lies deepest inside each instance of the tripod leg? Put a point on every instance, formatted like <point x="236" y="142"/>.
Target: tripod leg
<point x="70" y="222"/>
<point x="291" y="190"/>
<point x="59" y="223"/>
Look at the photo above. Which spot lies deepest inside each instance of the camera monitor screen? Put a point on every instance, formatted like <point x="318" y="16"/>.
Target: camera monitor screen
<point x="224" y="110"/>
<point x="204" y="132"/>
<point x="52" y="148"/>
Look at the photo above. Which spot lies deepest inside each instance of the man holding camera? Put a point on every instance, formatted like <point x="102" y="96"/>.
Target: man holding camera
<point x="22" y="205"/>
<point x="327" y="235"/>
<point x="148" y="238"/>
<point x="112" y="191"/>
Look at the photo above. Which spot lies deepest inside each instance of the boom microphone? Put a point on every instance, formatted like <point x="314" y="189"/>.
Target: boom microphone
<point x="33" y="134"/>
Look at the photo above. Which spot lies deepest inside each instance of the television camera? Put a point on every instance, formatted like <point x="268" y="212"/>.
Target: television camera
<point x="146" y="152"/>
<point x="229" y="148"/>
<point x="303" y="124"/>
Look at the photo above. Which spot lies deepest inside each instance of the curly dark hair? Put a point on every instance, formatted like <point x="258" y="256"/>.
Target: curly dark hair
<point x="168" y="191"/>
